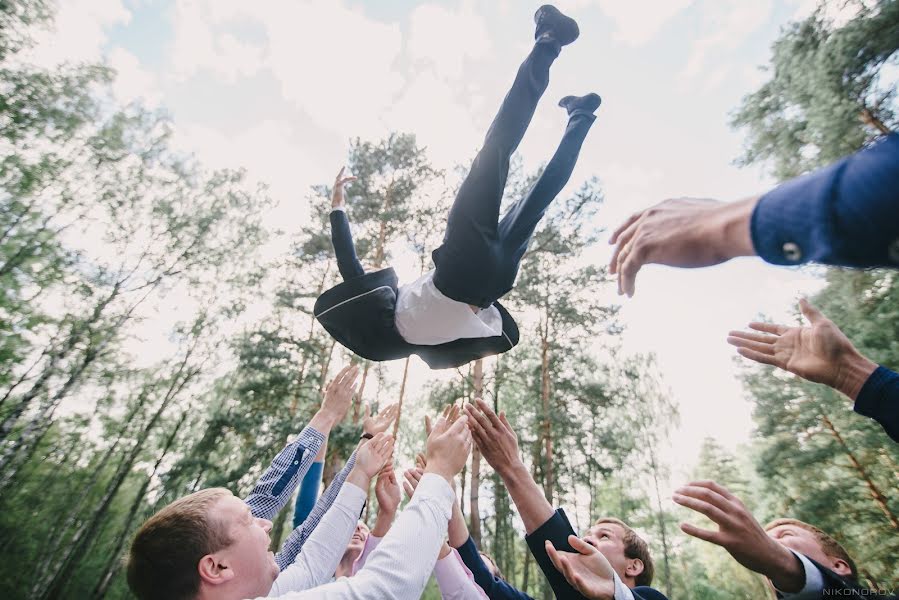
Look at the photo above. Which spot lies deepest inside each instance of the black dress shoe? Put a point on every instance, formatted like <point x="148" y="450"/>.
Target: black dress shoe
<point x="551" y="21"/>
<point x="588" y="103"/>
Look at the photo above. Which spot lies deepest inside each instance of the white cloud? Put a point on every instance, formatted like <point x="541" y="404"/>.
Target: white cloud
<point x="133" y="82"/>
<point x="202" y="41"/>
<point x="335" y="64"/>
<point x="446" y="39"/>
<point x="78" y="33"/>
<point x="638" y="22"/>
<point x="729" y="23"/>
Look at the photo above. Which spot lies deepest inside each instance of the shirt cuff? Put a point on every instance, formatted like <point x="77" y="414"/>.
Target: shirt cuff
<point x="340" y="208"/>
<point x="452" y="575"/>
<point x="622" y="592"/>
<point x="310" y="434"/>
<point x="814" y="582"/>
<point x="791" y="224"/>
<point x="871" y="397"/>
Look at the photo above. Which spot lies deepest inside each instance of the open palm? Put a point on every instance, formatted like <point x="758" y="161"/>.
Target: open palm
<point x="813" y="352"/>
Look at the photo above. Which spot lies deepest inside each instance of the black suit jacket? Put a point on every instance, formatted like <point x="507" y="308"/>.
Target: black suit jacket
<point x="360" y="314"/>
<point x="557" y="529"/>
<point x="837" y="586"/>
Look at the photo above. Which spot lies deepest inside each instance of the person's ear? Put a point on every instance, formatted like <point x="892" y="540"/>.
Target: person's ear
<point x="840" y="567"/>
<point x="214" y="570"/>
<point x="634" y="567"/>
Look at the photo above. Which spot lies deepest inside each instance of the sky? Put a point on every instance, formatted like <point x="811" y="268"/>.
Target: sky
<point x="279" y="87"/>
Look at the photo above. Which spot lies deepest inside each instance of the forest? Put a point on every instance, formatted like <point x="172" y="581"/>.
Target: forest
<point x="110" y="237"/>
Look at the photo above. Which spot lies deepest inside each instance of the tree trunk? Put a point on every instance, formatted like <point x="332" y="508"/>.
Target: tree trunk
<point x="114" y="563"/>
<point x="663" y="534"/>
<point x="548" y="473"/>
<point x="357" y="406"/>
<point x="277" y="531"/>
<point x="399" y="414"/>
<point x="875" y="492"/>
<point x="474" y="518"/>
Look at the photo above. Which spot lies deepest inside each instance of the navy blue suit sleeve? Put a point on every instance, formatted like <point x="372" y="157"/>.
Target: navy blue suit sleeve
<point x="879" y="400"/>
<point x="556" y="529"/>
<point x="844" y="214"/>
<point x="308" y="493"/>
<point x="494" y="587"/>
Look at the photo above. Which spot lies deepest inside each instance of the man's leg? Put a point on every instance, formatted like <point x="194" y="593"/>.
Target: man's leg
<point x="519" y="223"/>
<point x="472" y="222"/>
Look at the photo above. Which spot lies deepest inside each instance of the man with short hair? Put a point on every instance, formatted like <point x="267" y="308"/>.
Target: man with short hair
<point x="548" y="531"/>
<point x="800" y="561"/>
<point x="230" y="559"/>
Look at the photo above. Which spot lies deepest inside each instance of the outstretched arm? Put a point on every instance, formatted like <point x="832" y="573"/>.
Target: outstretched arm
<point x="341" y="237"/>
<point x="843" y="214"/>
<point x="821" y="353"/>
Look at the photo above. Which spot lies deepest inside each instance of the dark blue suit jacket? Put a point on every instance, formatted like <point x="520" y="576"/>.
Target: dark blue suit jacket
<point x="494" y="587"/>
<point x="557" y="529"/>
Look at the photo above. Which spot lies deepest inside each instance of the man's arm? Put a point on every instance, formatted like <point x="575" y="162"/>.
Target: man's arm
<point x="821" y="353"/>
<point x="499" y="446"/>
<point x="371" y="425"/>
<point x="454" y="579"/>
<point x="496" y="588"/>
<point x="277" y="484"/>
<point x="400" y="567"/>
<point x="844" y="214"/>
<point x="326" y="545"/>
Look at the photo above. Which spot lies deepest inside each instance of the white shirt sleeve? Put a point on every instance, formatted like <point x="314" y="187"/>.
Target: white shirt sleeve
<point x="814" y="582"/>
<point x="622" y="592"/>
<point x="318" y="560"/>
<point x="400" y="567"/>
<point x="340" y="208"/>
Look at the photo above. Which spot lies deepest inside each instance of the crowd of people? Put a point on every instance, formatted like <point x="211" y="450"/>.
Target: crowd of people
<point x="212" y="544"/>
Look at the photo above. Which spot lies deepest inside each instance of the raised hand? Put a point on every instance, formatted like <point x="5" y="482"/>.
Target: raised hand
<point x="340" y="392"/>
<point x="588" y="571"/>
<point x="740" y="534"/>
<point x="685" y="232"/>
<point x="412" y="477"/>
<point x="337" y="192"/>
<point x="448" y="446"/>
<point x="372" y="457"/>
<point x="387" y="491"/>
<point x="375" y="424"/>
<point x="819" y="352"/>
<point x="494" y="436"/>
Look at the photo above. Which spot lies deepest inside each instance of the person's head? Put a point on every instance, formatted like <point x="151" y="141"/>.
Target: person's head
<point x="357" y="542"/>
<point x="491" y="566"/>
<point x="626" y="551"/>
<point x="813" y="543"/>
<point x="203" y="545"/>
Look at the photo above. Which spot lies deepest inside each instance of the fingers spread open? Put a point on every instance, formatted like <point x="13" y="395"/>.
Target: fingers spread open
<point x="811" y="313"/>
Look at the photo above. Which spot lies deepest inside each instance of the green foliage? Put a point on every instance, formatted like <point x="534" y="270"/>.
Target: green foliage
<point x="825" y="97"/>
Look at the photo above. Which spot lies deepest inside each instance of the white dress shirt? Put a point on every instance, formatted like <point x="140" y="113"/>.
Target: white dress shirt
<point x="323" y="549"/>
<point x="426" y="317"/>
<point x="814" y="581"/>
<point x="399" y="568"/>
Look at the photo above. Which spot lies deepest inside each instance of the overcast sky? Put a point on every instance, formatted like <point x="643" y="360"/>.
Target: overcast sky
<point x="280" y="86"/>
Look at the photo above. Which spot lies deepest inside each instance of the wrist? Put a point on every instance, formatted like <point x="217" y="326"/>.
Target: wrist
<point x="359" y="478"/>
<point x="852" y="373"/>
<point x="732" y="232"/>
<point x="513" y="471"/>
<point x="323" y="421"/>
<point x="435" y="467"/>
<point x="787" y="573"/>
<point x="383" y="522"/>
